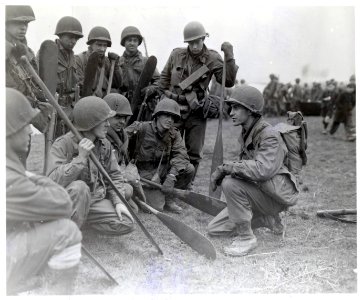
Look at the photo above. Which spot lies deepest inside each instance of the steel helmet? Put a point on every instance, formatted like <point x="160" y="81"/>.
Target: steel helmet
<point x="19" y="13"/>
<point x="119" y="104"/>
<point x="19" y="112"/>
<point x="194" y="30"/>
<point x="168" y="106"/>
<point x="249" y="97"/>
<point x="69" y="25"/>
<point x="90" y="111"/>
<point x="352" y="78"/>
<point x="130" y="31"/>
<point x="99" y="33"/>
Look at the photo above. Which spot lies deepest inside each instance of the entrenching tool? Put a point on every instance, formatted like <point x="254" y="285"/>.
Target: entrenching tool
<point x="144" y="80"/>
<point x="90" y="74"/>
<point x="188" y="235"/>
<point x="48" y="72"/>
<point x="207" y="204"/>
<point x="217" y="158"/>
<point x="93" y="157"/>
<point x="94" y="260"/>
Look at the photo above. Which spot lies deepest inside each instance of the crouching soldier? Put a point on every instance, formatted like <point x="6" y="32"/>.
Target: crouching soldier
<point x="160" y="153"/>
<point x="258" y="186"/>
<point x="39" y="233"/>
<point x="71" y="167"/>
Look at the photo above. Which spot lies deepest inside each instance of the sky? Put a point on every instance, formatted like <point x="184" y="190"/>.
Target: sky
<point x="315" y="43"/>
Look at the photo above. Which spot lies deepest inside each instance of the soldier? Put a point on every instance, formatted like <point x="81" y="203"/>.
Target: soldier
<point x="193" y="100"/>
<point x="160" y="153"/>
<point x="270" y="94"/>
<point x="16" y="26"/>
<point x="69" y="31"/>
<point x="70" y="165"/>
<point x="327" y="105"/>
<point x="132" y="63"/>
<point x="99" y="40"/>
<point x="297" y="95"/>
<point x="40" y="237"/>
<point x="116" y="133"/>
<point x="258" y="186"/>
<point x="344" y="105"/>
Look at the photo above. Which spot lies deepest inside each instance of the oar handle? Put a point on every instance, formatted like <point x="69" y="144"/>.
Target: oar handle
<point x="148" y="207"/>
<point x="93" y="157"/>
<point x="111" y="76"/>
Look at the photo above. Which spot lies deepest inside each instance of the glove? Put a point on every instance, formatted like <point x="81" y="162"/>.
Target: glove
<point x="227" y="48"/>
<point x="217" y="177"/>
<point x="168" y="185"/>
<point x="113" y="56"/>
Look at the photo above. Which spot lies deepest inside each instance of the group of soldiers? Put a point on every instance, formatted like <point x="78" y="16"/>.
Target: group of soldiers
<point x="46" y="214"/>
<point x="337" y="101"/>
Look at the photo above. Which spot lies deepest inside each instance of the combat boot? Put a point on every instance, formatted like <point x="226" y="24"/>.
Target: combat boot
<point x="245" y="241"/>
<point x="171" y="206"/>
<point x="272" y="222"/>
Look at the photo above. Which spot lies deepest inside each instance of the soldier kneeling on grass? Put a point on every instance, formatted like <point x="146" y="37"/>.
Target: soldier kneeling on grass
<point x="160" y="154"/>
<point x="258" y="186"/>
<point x="40" y="237"/>
<point x="71" y="167"/>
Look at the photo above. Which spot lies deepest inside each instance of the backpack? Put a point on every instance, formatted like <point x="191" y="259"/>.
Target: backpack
<point x="294" y="133"/>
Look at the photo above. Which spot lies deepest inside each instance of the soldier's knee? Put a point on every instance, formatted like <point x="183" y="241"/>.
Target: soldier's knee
<point x="68" y="230"/>
<point x="78" y="187"/>
<point x="128" y="191"/>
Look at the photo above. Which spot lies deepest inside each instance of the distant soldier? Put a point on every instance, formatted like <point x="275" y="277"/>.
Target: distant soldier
<point x="297" y="95"/>
<point x="40" y="237"/>
<point x="343" y="110"/>
<point x="160" y="153"/>
<point x="16" y="26"/>
<point x="195" y="104"/>
<point x="132" y="64"/>
<point x="69" y="31"/>
<point x="270" y="94"/>
<point x="316" y="92"/>
<point x="259" y="185"/>
<point x="71" y="167"/>
<point x="327" y="104"/>
<point x="99" y="40"/>
<point x="306" y="93"/>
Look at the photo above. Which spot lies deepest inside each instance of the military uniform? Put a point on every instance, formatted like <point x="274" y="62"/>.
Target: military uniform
<point x="260" y="184"/>
<point x="180" y="65"/>
<point x="103" y="69"/>
<point x="66" y="168"/>
<point x="120" y="142"/>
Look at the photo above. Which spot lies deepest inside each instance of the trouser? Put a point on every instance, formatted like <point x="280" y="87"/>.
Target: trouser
<point x="28" y="251"/>
<point x="244" y="201"/>
<point x="348" y="126"/>
<point x="96" y="213"/>
<point x="193" y="128"/>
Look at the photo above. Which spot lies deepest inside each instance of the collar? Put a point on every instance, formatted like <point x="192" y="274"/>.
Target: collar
<point x="14" y="41"/>
<point x="202" y="56"/>
<point x="256" y="127"/>
<point x="15" y="165"/>
<point x="157" y="133"/>
<point x="137" y="54"/>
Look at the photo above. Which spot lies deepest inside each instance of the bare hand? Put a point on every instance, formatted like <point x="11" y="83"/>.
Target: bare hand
<point x="122" y="209"/>
<point x="85" y="147"/>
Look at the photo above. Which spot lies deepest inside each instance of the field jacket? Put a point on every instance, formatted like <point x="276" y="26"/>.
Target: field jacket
<point x="120" y="142"/>
<point x="65" y="166"/>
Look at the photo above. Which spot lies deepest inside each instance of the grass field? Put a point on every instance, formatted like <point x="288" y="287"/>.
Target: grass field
<point x="316" y="256"/>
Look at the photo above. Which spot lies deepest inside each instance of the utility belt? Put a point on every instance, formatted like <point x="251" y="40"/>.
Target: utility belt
<point x="67" y="99"/>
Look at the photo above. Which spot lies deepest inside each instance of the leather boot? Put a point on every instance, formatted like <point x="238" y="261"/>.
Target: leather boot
<point x="171" y="206"/>
<point x="272" y="222"/>
<point x="245" y="241"/>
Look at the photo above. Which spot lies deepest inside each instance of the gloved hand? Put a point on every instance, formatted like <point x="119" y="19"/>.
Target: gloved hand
<point x="19" y="50"/>
<point x="168" y="185"/>
<point x="227" y="48"/>
<point x="149" y="90"/>
<point x="113" y="56"/>
<point x="217" y="177"/>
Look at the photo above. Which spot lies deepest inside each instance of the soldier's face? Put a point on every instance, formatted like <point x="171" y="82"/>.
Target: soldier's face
<point x="131" y="44"/>
<point x="164" y="122"/>
<point x="19" y="141"/>
<point x="100" y="131"/>
<point x="239" y="115"/>
<point x="17" y="29"/>
<point x="118" y="122"/>
<point x="100" y="47"/>
<point x="196" y="46"/>
<point x="68" y="40"/>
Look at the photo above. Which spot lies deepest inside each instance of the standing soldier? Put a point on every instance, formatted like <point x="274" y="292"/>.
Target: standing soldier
<point x="297" y="95"/>
<point x="270" y="94"/>
<point x="194" y="100"/>
<point x="160" y="153"/>
<point x="16" y="26"/>
<point x="69" y="31"/>
<point x="99" y="40"/>
<point x="71" y="167"/>
<point x="259" y="185"/>
<point x="40" y="237"/>
<point x="132" y="63"/>
<point x="327" y="104"/>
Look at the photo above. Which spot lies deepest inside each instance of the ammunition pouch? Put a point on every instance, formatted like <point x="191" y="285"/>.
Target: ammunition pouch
<point x="211" y="107"/>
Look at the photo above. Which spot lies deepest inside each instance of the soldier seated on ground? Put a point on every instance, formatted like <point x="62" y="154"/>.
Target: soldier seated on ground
<point x="259" y="185"/>
<point x="160" y="153"/>
<point x="71" y="167"/>
<point x="40" y="237"/>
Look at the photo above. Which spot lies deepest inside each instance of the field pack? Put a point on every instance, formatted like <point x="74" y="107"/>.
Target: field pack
<point x="294" y="133"/>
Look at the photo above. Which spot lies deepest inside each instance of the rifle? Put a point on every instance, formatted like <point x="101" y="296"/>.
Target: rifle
<point x="93" y="157"/>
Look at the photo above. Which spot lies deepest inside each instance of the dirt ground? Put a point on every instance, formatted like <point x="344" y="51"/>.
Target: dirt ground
<point x="316" y="256"/>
